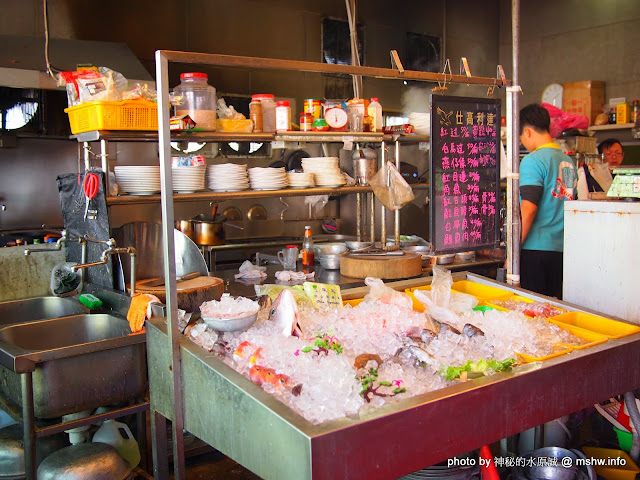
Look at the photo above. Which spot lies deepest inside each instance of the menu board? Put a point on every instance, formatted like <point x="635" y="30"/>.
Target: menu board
<point x="465" y="173"/>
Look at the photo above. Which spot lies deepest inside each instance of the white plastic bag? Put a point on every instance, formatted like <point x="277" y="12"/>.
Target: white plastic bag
<point x="390" y="188"/>
<point x="379" y="292"/>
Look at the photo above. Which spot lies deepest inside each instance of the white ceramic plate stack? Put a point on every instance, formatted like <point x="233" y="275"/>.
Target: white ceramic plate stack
<point x="138" y="179"/>
<point x="227" y="177"/>
<point x="188" y="179"/>
<point x="301" y="179"/>
<point x="267" y="178"/>
<point x="326" y="171"/>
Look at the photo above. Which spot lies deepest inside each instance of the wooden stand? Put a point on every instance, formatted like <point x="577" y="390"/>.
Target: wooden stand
<point x="191" y="293"/>
<point x="386" y="267"/>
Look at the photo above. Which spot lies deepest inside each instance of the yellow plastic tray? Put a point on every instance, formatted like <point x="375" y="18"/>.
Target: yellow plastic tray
<point x="519" y="298"/>
<point x="353" y="302"/>
<point x="124" y="115"/>
<point x="605" y="326"/>
<point x="481" y="292"/>
<point x="615" y="471"/>
<point x="592" y="338"/>
<point x="417" y="305"/>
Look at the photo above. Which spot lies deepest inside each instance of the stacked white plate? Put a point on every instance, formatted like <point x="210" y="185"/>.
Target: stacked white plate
<point x="188" y="179"/>
<point x="301" y="179"/>
<point x="227" y="177"/>
<point x="138" y="179"/>
<point x="267" y="178"/>
<point x="326" y="171"/>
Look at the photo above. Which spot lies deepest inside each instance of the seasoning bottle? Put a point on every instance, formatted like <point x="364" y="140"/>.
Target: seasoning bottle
<point x="306" y="122"/>
<point x="308" y="256"/>
<point x="283" y="116"/>
<point x="198" y="100"/>
<point x="255" y="115"/>
<point x="268" y="111"/>
<point x="635" y="111"/>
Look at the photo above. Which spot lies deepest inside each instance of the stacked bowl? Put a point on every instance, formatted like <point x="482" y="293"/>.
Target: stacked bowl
<point x="326" y="171"/>
<point x="301" y="179"/>
<point x="188" y="179"/>
<point x="227" y="177"/>
<point x="138" y="179"/>
<point x="267" y="178"/>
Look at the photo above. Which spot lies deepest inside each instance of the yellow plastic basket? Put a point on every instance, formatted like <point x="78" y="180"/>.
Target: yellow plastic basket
<point x="481" y="292"/>
<point x="605" y="326"/>
<point x="124" y="115"/>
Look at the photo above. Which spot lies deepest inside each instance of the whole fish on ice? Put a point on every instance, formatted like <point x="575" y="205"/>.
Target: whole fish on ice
<point x="284" y="313"/>
<point x="263" y="375"/>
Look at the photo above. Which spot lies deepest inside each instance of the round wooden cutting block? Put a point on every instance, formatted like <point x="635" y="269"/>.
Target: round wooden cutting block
<point x="191" y="293"/>
<point x="386" y="267"/>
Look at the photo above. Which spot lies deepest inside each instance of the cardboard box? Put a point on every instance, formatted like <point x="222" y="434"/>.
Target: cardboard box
<point x="623" y="113"/>
<point x="584" y="98"/>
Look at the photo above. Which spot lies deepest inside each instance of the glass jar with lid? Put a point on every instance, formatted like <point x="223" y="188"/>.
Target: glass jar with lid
<point x="198" y="100"/>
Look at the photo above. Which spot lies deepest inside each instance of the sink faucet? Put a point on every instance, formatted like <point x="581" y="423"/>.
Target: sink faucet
<point x="64" y="238"/>
<point x="112" y="249"/>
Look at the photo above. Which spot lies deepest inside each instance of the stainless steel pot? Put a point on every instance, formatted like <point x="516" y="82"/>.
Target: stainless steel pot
<point x="186" y="227"/>
<point x="208" y="232"/>
<point x="85" y="461"/>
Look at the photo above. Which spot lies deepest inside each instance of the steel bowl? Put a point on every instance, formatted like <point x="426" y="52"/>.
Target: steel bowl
<point x="546" y="469"/>
<point x="232" y="324"/>
<point x="465" y="256"/>
<point x="333" y="248"/>
<point x="354" y="245"/>
<point x="85" y="461"/>
<point x="330" y="262"/>
<point x="445" y="259"/>
<point x="423" y="249"/>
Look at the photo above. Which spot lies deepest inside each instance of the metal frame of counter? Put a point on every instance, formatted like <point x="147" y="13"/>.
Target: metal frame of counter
<point x="237" y="417"/>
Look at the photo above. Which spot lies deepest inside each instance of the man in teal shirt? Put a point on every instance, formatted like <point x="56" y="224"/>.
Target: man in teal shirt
<point x="548" y="178"/>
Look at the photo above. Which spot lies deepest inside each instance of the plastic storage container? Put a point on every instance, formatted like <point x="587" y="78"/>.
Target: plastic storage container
<point x="198" y="100"/>
<point x="124" y="115"/>
<point x="605" y="326"/>
<point x="283" y="116"/>
<point x="481" y="292"/>
<point x="375" y="112"/>
<point x="127" y="446"/>
<point x="268" y="111"/>
<point x="615" y="464"/>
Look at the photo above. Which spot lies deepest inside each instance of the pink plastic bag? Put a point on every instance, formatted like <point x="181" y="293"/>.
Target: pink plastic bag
<point x="561" y="121"/>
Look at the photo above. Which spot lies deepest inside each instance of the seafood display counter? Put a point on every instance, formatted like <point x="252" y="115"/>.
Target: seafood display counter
<point x="237" y="417"/>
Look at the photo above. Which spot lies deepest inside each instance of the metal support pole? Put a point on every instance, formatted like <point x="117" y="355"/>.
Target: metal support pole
<point x="372" y="218"/>
<point x="177" y="426"/>
<point x="383" y="210"/>
<point x="28" y="426"/>
<point x="396" y="214"/>
<point x="87" y="156"/>
<point x="359" y="218"/>
<point x="159" y="446"/>
<point x="513" y="157"/>
<point x="105" y="166"/>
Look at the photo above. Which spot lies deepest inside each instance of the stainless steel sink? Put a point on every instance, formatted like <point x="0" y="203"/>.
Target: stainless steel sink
<point x="77" y="362"/>
<point x="38" y="308"/>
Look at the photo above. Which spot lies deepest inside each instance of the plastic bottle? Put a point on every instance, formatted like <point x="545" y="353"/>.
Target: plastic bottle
<point x="635" y="111"/>
<point x="198" y="100"/>
<point x="255" y="115"/>
<point x="308" y="255"/>
<point x="268" y="111"/>
<point x="375" y="112"/>
<point x="283" y="116"/>
<point x="127" y="447"/>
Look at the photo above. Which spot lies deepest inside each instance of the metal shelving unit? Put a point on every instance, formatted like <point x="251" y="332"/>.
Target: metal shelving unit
<point x="163" y="57"/>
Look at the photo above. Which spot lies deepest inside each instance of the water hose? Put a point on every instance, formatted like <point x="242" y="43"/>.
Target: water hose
<point x="634" y="416"/>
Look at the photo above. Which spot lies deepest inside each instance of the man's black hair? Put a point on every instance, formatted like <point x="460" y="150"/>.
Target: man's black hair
<point x="608" y="143"/>
<point x="536" y="117"/>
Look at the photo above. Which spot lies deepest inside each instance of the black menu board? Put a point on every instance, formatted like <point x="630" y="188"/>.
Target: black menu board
<point x="465" y="173"/>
